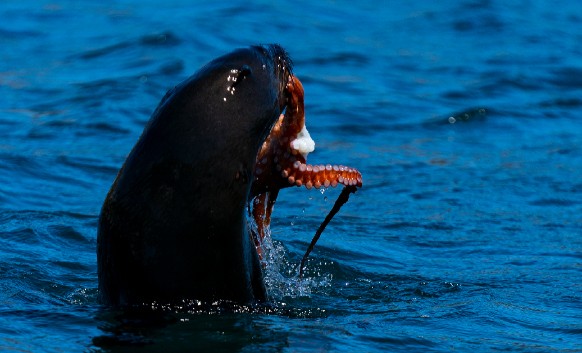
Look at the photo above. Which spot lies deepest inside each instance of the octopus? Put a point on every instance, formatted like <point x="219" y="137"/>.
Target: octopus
<point x="282" y="162"/>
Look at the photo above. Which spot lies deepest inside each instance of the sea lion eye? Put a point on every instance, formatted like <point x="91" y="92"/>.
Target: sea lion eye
<point x="239" y="75"/>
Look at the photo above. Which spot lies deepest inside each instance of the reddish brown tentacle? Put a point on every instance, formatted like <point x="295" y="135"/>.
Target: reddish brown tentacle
<point x="310" y="176"/>
<point x="279" y="165"/>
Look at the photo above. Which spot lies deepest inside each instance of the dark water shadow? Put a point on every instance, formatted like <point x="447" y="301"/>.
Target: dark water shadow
<point x="194" y="327"/>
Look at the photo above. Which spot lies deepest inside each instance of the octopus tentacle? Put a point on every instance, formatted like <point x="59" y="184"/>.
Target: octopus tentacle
<point x="280" y="155"/>
<point x="319" y="175"/>
<point x="281" y="161"/>
<point x="261" y="211"/>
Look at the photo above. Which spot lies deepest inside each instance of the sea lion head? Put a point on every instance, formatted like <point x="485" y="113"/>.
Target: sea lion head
<point x="173" y="224"/>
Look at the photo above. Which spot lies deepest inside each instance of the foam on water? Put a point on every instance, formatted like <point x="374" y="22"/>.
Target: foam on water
<point x="281" y="274"/>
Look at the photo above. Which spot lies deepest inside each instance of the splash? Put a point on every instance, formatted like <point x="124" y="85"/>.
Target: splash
<point x="281" y="273"/>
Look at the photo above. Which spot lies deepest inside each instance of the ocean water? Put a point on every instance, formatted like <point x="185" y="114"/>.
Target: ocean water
<point x="464" y="118"/>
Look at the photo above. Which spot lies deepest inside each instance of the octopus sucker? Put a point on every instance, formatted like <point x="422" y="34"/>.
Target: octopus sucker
<point x="282" y="162"/>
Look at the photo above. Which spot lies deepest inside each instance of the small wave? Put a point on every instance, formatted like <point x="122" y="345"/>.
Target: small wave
<point x="553" y="202"/>
<point x="343" y="58"/>
<point x="567" y="77"/>
<point x="471" y="115"/>
<point x="161" y="39"/>
<point x="562" y="103"/>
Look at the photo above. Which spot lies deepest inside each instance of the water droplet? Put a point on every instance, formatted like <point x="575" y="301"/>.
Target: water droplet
<point x="452" y="120"/>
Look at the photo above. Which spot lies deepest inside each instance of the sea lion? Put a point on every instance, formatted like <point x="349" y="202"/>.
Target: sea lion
<point x="173" y="225"/>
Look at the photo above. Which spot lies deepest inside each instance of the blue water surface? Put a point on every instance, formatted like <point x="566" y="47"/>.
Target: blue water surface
<point x="464" y="118"/>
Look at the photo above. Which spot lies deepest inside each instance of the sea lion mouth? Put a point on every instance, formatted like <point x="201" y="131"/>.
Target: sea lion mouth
<point x="282" y="162"/>
<point x="282" y="158"/>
